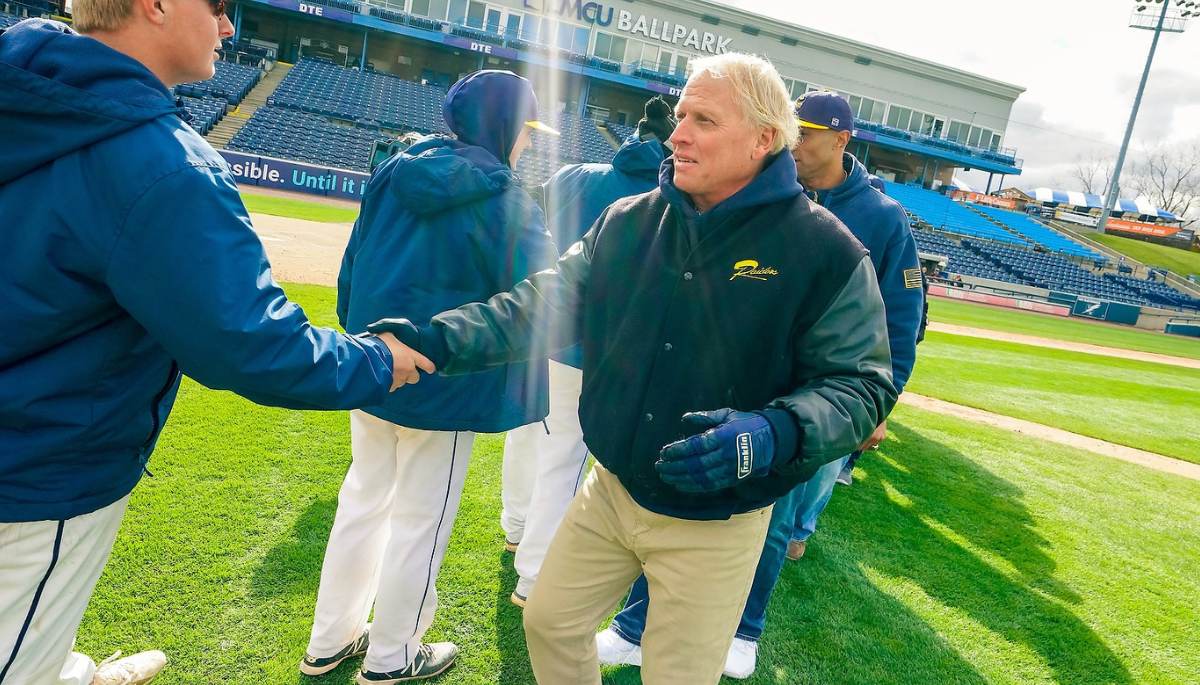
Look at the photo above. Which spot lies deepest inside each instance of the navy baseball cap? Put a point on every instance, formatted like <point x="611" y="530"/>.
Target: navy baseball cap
<point x="825" y="110"/>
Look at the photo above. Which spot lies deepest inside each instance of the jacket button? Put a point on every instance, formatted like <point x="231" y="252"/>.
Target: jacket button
<point x="648" y="417"/>
<point x="687" y="275"/>
<point x="668" y="347"/>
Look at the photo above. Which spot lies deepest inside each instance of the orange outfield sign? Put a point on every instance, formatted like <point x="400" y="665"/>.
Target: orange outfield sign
<point x="1141" y="228"/>
<point x="981" y="199"/>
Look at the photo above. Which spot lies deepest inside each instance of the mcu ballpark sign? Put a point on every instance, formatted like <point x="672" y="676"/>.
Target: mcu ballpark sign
<point x="653" y="28"/>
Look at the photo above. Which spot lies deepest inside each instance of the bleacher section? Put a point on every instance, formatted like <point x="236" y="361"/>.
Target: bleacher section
<point x="940" y="212"/>
<point x="204" y="111"/>
<point x="298" y="122"/>
<point x="620" y="131"/>
<point x="1054" y="272"/>
<point x="231" y="82"/>
<point x="8" y="20"/>
<point x="367" y="98"/>
<point x="288" y="134"/>
<point x="1037" y="233"/>
<point x="1160" y="294"/>
<point x="1023" y="266"/>
<point x="961" y="260"/>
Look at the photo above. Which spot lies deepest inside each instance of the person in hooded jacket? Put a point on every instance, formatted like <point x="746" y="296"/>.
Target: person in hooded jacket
<point x="544" y="463"/>
<point x="834" y="179"/>
<point x="442" y="224"/>
<point x="128" y="260"/>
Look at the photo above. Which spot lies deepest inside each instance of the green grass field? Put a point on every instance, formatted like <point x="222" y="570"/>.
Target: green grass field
<point x="1150" y="406"/>
<point x="1180" y="261"/>
<point x="962" y="554"/>
<point x="298" y="209"/>
<point x="1059" y="328"/>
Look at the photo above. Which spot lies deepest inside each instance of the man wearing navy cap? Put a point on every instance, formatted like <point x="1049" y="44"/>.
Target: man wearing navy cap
<point x="834" y="179"/>
<point x="442" y="224"/>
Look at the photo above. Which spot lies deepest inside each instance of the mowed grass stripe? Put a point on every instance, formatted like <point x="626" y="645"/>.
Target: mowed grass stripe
<point x="1058" y="328"/>
<point x="1149" y="406"/>
<point x="298" y="209"/>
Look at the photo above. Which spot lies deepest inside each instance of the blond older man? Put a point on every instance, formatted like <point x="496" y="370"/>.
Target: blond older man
<point x="733" y="342"/>
<point x="128" y="261"/>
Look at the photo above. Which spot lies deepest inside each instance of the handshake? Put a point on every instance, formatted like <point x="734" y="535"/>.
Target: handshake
<point x="403" y="339"/>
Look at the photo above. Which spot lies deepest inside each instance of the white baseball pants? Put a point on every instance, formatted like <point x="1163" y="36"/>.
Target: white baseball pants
<point x="395" y="511"/>
<point x="542" y="472"/>
<point x="49" y="569"/>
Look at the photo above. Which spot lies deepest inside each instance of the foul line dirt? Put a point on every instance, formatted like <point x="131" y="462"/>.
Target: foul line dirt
<point x="1062" y="437"/>
<point x="1064" y="345"/>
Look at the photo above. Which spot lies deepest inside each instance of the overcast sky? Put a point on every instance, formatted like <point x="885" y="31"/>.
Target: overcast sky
<point x="1078" y="60"/>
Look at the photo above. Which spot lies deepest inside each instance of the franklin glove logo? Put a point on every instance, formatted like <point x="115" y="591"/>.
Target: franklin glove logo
<point x="745" y="452"/>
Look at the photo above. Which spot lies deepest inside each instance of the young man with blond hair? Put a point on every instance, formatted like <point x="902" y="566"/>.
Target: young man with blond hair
<point x="128" y="261"/>
<point x="733" y="342"/>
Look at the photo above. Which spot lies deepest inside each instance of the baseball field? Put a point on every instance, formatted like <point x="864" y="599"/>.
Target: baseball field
<point x="963" y="553"/>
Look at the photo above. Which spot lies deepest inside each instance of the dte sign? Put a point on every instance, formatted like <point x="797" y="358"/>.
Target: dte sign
<point x="315" y="10"/>
<point x="481" y="47"/>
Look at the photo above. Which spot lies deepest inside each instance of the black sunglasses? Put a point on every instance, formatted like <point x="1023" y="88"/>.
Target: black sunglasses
<point x="218" y="7"/>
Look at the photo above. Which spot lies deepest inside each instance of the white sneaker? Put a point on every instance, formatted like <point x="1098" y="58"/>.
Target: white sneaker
<point x="617" y="651"/>
<point x="132" y="670"/>
<point x="742" y="658"/>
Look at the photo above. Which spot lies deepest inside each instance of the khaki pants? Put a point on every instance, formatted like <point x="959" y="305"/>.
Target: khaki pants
<point x="699" y="574"/>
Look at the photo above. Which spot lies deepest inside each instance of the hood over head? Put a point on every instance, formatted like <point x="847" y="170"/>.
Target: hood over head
<point x="489" y="108"/>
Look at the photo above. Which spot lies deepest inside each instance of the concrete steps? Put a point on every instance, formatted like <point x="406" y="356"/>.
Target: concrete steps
<point x="233" y="122"/>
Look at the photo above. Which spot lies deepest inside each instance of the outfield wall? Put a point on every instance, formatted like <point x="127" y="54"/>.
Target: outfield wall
<point x="961" y="294"/>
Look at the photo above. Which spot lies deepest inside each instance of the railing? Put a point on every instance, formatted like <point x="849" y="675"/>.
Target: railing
<point x="1000" y="155"/>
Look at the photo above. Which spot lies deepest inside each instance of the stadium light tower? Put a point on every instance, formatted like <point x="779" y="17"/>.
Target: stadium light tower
<point x="1169" y="19"/>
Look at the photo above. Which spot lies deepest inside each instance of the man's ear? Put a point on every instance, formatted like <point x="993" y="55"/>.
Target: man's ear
<point x="766" y="140"/>
<point x="153" y="10"/>
<point x="843" y="139"/>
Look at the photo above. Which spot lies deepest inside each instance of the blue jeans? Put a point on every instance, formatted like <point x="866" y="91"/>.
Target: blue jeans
<point x="795" y="517"/>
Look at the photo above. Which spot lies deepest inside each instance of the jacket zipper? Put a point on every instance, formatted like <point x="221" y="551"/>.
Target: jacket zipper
<point x="155" y="419"/>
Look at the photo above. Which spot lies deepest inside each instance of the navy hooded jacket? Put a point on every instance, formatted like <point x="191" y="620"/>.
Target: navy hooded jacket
<point x="443" y="224"/>
<point x="880" y="224"/>
<point x="128" y="258"/>
<point x="579" y="193"/>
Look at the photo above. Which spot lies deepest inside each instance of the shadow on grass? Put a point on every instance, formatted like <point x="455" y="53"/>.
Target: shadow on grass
<point x="937" y="528"/>
<point x="292" y="569"/>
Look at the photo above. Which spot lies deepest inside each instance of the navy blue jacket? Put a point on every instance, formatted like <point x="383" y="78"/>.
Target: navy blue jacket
<point x="579" y="193"/>
<point x="880" y="224"/>
<point x="444" y="224"/>
<point x="127" y="258"/>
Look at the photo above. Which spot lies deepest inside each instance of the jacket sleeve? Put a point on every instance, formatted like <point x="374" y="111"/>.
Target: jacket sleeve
<point x="903" y="298"/>
<point x="199" y="282"/>
<point x="845" y="381"/>
<point x="517" y="325"/>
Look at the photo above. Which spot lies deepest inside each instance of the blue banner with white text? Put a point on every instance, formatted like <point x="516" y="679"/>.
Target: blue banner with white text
<point x="269" y="172"/>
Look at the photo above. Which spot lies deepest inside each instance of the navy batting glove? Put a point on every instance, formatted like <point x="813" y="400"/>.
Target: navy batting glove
<point x="423" y="339"/>
<point x="736" y="446"/>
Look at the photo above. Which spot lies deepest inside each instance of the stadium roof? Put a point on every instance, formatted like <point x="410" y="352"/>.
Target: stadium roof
<point x="1090" y="201"/>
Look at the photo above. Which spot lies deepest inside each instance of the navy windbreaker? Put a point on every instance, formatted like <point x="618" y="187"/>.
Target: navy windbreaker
<point x="880" y="224"/>
<point x="579" y="193"/>
<point x="444" y="224"/>
<point x="127" y="258"/>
